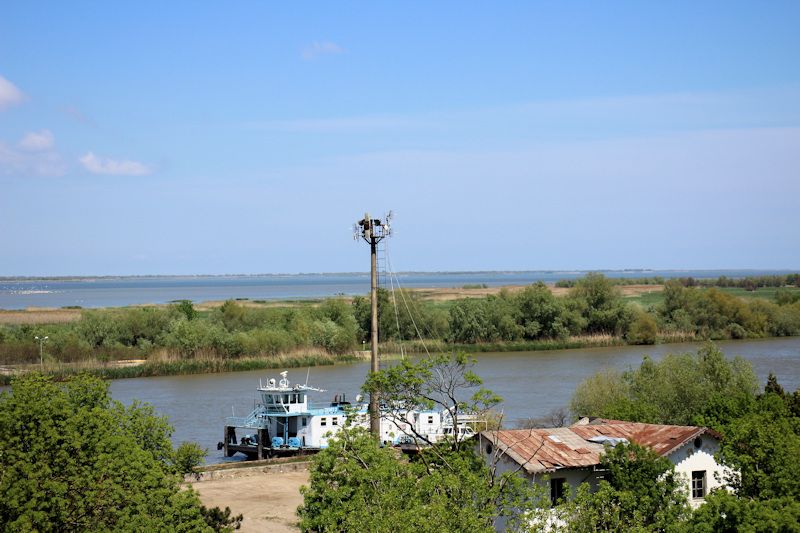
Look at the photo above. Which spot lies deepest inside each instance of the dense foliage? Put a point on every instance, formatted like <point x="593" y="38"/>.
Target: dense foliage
<point x="747" y="282"/>
<point x="594" y="308"/>
<point x="718" y="315"/>
<point x="640" y="492"/>
<point x="71" y="459"/>
<point x="357" y="485"/>
<point x="679" y="389"/>
<point x="760" y="431"/>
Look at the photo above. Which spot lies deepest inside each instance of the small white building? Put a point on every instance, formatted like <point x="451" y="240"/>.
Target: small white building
<point x="569" y="456"/>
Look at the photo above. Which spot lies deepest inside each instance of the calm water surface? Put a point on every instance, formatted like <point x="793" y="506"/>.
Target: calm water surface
<point x="118" y="292"/>
<point x="531" y="383"/>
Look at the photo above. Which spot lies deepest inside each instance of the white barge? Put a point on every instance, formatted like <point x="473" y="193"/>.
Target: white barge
<point x="286" y="424"/>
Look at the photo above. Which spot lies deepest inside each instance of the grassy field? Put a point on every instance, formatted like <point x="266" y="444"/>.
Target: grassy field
<point x="649" y="299"/>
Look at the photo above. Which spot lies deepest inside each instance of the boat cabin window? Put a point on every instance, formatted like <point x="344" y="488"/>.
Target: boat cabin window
<point x="285" y="398"/>
<point x="323" y="421"/>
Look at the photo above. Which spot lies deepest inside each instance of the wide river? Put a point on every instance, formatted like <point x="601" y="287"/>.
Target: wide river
<point x="21" y="293"/>
<point x="530" y="383"/>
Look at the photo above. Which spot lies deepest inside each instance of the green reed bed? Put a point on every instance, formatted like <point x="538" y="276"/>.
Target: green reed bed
<point x="184" y="366"/>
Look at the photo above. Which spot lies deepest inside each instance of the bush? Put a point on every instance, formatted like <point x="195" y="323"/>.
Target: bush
<point x="643" y="329"/>
<point x="188" y="456"/>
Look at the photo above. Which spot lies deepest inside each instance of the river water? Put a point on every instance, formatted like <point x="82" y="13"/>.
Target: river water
<point x="531" y="383"/>
<point x="19" y="293"/>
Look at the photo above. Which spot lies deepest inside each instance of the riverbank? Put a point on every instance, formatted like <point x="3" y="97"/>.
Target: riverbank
<point x="180" y="367"/>
<point x="140" y="368"/>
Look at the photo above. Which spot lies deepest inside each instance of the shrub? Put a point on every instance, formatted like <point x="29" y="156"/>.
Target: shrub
<point x="643" y="329"/>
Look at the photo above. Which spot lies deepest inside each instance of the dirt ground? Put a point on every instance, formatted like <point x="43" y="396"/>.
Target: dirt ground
<point x="268" y="501"/>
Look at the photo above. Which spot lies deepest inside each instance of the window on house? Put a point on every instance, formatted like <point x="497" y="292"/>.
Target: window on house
<point x="335" y="421"/>
<point x="430" y="419"/>
<point x="556" y="490"/>
<point x="323" y="421"/>
<point x="305" y="422"/>
<point x="699" y="484"/>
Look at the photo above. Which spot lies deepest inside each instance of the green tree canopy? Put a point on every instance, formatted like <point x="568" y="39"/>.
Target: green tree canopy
<point x="356" y="485"/>
<point x="72" y="459"/>
<point x="640" y="492"/>
<point x="679" y="389"/>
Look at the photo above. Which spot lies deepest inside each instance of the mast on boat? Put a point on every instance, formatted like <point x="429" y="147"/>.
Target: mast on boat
<point x="373" y="231"/>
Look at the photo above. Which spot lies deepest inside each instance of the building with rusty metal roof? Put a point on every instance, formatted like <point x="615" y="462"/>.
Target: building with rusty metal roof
<point x="568" y="456"/>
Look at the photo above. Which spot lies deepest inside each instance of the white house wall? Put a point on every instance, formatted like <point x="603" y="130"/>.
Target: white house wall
<point x="690" y="458"/>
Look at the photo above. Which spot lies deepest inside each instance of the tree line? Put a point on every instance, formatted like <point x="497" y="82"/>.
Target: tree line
<point x="747" y="282"/>
<point x="594" y="306"/>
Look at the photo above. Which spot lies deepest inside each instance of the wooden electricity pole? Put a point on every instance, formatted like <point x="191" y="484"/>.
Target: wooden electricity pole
<point x="373" y="231"/>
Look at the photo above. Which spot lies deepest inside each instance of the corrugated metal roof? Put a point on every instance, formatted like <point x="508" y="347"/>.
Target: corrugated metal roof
<point x="543" y="450"/>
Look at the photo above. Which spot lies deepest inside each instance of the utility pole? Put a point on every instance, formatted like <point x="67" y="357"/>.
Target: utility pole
<point x="373" y="231"/>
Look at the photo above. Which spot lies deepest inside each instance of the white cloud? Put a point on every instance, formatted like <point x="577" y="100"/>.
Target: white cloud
<point x="37" y="141"/>
<point x="34" y="155"/>
<point x="113" y="167"/>
<point x="321" y="48"/>
<point x="9" y="94"/>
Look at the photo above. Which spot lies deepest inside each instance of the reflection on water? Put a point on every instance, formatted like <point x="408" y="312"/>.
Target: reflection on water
<point x="531" y="383"/>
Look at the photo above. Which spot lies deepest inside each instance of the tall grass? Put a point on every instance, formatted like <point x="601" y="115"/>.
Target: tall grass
<point x="177" y="367"/>
<point x="579" y="341"/>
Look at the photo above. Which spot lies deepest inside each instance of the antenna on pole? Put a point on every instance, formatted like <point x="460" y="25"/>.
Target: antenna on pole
<point x="373" y="231"/>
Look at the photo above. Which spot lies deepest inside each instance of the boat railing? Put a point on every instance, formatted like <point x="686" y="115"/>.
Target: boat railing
<point x="252" y="421"/>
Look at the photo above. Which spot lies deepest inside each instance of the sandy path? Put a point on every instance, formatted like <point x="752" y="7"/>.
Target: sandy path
<point x="267" y="501"/>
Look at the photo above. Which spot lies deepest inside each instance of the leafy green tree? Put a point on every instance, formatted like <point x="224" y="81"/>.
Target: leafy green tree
<point x="356" y="485"/>
<point x="443" y="382"/>
<point x="640" y="492"/>
<point x="676" y="390"/>
<point x="188" y="456"/>
<point x="469" y="321"/>
<point x="723" y="511"/>
<point x="643" y="329"/>
<point x="602" y="305"/>
<point x="186" y="308"/>
<point x="541" y="313"/>
<point x="69" y="460"/>
<point x="763" y="446"/>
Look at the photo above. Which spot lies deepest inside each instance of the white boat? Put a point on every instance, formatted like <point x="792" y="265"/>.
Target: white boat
<point x="285" y="423"/>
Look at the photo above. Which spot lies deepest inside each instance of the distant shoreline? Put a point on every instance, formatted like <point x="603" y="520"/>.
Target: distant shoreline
<point x="712" y="272"/>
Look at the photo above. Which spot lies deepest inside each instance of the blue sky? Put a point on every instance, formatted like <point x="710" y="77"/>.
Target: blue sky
<point x="197" y="137"/>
